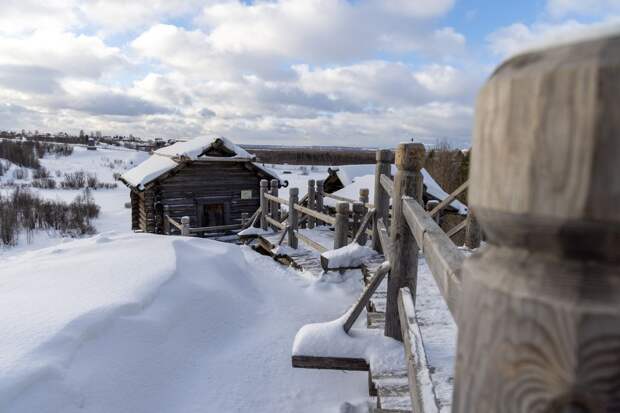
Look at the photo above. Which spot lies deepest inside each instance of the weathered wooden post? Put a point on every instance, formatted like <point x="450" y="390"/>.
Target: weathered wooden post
<point x="358" y="215"/>
<point x="293" y="198"/>
<point x="472" y="232"/>
<point x="364" y="199"/>
<point x="382" y="198"/>
<point x="320" y="191"/>
<point x="166" y="220"/>
<point x="342" y="224"/>
<point x="244" y="219"/>
<point x="539" y="315"/>
<point x="185" y="225"/>
<point x="275" y="207"/>
<point x="404" y="256"/>
<point x="263" y="203"/>
<point x="311" y="202"/>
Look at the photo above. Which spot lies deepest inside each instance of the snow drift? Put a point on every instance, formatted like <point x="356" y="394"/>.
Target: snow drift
<point x="144" y="323"/>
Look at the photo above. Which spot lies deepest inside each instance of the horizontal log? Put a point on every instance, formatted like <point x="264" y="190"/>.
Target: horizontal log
<point x="274" y="222"/>
<point x="318" y="215"/>
<point x="215" y="228"/>
<point x="370" y="289"/>
<point x="276" y="199"/>
<point x="421" y="389"/>
<point x="447" y="201"/>
<point x="173" y="222"/>
<point x="330" y="363"/>
<point x="314" y="155"/>
<point x="387" y="184"/>
<point x="345" y="199"/>
<point x="443" y="257"/>
<point x="320" y="248"/>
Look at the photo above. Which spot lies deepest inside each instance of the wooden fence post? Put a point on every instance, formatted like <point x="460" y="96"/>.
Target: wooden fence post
<point x="293" y="198"/>
<point x="404" y="256"/>
<point x="382" y="199"/>
<point x="358" y="215"/>
<point x="166" y="221"/>
<point x="539" y="314"/>
<point x="472" y="232"/>
<point x="275" y="206"/>
<point x="364" y="199"/>
<point x="342" y="224"/>
<point x="185" y="225"/>
<point x="430" y="205"/>
<point x="263" y="203"/>
<point x="311" y="202"/>
<point x="320" y="191"/>
<point x="244" y="219"/>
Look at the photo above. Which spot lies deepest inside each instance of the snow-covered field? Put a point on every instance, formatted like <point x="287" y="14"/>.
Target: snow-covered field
<point x="124" y="322"/>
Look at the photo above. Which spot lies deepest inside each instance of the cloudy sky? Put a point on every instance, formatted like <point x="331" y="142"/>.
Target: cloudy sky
<point x="348" y="72"/>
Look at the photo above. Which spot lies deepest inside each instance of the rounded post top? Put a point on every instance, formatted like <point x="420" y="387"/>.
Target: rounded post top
<point x="342" y="207"/>
<point x="274" y="182"/>
<point x="310" y="182"/>
<point x="185" y="220"/>
<point x="358" y="207"/>
<point x="319" y="182"/>
<point x="410" y="156"/>
<point x="384" y="155"/>
<point x="264" y="182"/>
<point x="364" y="192"/>
<point x="293" y="192"/>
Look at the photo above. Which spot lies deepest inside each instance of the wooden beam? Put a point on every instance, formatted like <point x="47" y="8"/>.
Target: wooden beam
<point x="387" y="184"/>
<point x="341" y="225"/>
<point x="330" y="363"/>
<point x="215" y="228"/>
<point x="442" y="256"/>
<point x="382" y="198"/>
<point x="421" y="389"/>
<point x="370" y="289"/>
<point x="361" y="232"/>
<point x="384" y="238"/>
<point x="448" y="200"/>
<point x="273" y="198"/>
<point x="273" y="222"/>
<point x="318" y="215"/>
<point x="320" y="248"/>
<point x="457" y="228"/>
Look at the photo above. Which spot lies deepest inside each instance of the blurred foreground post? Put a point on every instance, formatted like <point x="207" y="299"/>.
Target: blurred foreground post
<point x="539" y="318"/>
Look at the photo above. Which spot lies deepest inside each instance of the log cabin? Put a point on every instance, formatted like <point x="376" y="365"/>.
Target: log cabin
<point x="210" y="180"/>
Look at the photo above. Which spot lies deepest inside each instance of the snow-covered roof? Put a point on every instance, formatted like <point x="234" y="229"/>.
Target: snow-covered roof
<point x="166" y="159"/>
<point x="355" y="177"/>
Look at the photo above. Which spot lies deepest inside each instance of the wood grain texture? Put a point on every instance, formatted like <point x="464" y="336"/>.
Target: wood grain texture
<point x="539" y="318"/>
<point x="382" y="199"/>
<point x="404" y="254"/>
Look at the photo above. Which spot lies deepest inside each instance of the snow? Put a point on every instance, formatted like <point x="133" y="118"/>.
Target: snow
<point x="254" y="231"/>
<point x="328" y="339"/>
<point x="349" y="256"/>
<point x="356" y="177"/>
<point x="195" y="147"/>
<point x="149" y="170"/>
<point x="142" y="323"/>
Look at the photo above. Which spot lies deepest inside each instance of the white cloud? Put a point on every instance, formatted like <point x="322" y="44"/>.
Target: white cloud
<point x="562" y="8"/>
<point x="518" y="37"/>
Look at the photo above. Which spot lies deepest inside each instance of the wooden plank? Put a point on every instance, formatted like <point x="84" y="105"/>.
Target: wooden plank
<point x="215" y="228"/>
<point x="443" y="257"/>
<point x="275" y="199"/>
<point x="364" y="225"/>
<point x="448" y="200"/>
<point x="275" y="223"/>
<point x="345" y="199"/>
<point x="370" y="289"/>
<point x="421" y="389"/>
<point x="318" y="215"/>
<point x="457" y="228"/>
<point x="330" y="363"/>
<point x="384" y="238"/>
<point x="320" y="248"/>
<point x="175" y="223"/>
<point x="381" y="198"/>
<point x="387" y="184"/>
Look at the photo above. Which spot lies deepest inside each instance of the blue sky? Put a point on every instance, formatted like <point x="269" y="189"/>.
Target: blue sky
<point x="363" y="72"/>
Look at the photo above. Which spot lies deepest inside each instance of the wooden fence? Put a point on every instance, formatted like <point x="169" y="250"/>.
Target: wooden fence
<point x="538" y="308"/>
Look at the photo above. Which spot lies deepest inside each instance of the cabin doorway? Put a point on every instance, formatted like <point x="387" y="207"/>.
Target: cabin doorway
<point x="213" y="215"/>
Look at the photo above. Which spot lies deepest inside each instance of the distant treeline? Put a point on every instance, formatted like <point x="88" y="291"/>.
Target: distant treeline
<point x="25" y="211"/>
<point x="27" y="154"/>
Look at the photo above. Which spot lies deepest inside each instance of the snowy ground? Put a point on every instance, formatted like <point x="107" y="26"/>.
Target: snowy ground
<point x="142" y="323"/>
<point x="123" y="322"/>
